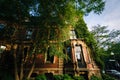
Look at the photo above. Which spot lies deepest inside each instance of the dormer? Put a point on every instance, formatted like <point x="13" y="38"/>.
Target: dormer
<point x="72" y="34"/>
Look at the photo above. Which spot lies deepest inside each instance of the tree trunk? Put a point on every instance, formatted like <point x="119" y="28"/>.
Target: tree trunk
<point x="22" y="63"/>
<point x="15" y="63"/>
<point x="32" y="68"/>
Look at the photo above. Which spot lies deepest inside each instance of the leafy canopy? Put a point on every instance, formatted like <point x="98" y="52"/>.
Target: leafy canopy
<point x="107" y="41"/>
<point x="20" y="9"/>
<point x="49" y="14"/>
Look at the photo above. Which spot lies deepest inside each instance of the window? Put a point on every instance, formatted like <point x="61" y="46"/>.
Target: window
<point x="68" y="50"/>
<point x="72" y="34"/>
<point x="29" y="34"/>
<point x="53" y="34"/>
<point x="79" y="57"/>
<point x="49" y="58"/>
<point x="2" y="26"/>
<point x="78" y="52"/>
<point x="69" y="54"/>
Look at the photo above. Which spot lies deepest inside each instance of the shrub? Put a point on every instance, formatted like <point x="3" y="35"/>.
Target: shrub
<point x="78" y="78"/>
<point x="58" y="77"/>
<point x="67" y="77"/>
<point x="95" y="78"/>
<point x="41" y="77"/>
<point x="107" y="77"/>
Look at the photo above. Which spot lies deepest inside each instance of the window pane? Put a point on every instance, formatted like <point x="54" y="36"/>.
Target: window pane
<point x="72" y="34"/>
<point x="50" y="59"/>
<point x="77" y="52"/>
<point x="29" y="34"/>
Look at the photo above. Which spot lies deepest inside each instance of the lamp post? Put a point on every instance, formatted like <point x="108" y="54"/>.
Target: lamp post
<point x="2" y="48"/>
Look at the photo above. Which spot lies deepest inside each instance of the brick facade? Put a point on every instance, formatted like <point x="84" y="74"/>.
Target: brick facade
<point x="81" y="62"/>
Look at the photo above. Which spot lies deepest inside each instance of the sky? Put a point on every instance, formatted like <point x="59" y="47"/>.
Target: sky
<point x="110" y="16"/>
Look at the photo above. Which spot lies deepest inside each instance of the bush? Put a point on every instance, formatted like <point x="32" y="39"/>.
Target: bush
<point x="67" y="77"/>
<point x="63" y="77"/>
<point x="41" y="77"/>
<point x="6" y="76"/>
<point x="95" y="78"/>
<point x="78" y="78"/>
<point x="58" y="77"/>
<point x="107" y="77"/>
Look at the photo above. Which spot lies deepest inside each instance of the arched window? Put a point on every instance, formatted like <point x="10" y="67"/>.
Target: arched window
<point x="79" y="56"/>
<point x="78" y="52"/>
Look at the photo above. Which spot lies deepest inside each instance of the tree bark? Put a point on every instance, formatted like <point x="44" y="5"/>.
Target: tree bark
<point x="22" y="63"/>
<point x="15" y="63"/>
<point x="33" y="66"/>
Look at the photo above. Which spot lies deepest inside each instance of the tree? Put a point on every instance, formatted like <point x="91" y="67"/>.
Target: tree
<point x="83" y="33"/>
<point x="115" y="48"/>
<point x="107" y="41"/>
<point x="103" y="36"/>
<point x="49" y="15"/>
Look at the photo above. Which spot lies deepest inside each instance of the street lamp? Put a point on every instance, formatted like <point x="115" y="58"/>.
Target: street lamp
<point x="2" y="48"/>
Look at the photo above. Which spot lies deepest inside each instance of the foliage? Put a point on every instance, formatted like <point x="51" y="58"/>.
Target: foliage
<point x="6" y="31"/>
<point x="14" y="10"/>
<point x="56" y="50"/>
<point x="19" y="9"/>
<point x="59" y="14"/>
<point x="4" y="75"/>
<point x="52" y="18"/>
<point x="107" y="77"/>
<point x="115" y="48"/>
<point x="78" y="78"/>
<point x="67" y="77"/>
<point x="83" y="33"/>
<point x="103" y="36"/>
<point x="41" y="77"/>
<point x="58" y="77"/>
<point x="95" y="78"/>
<point x="104" y="42"/>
